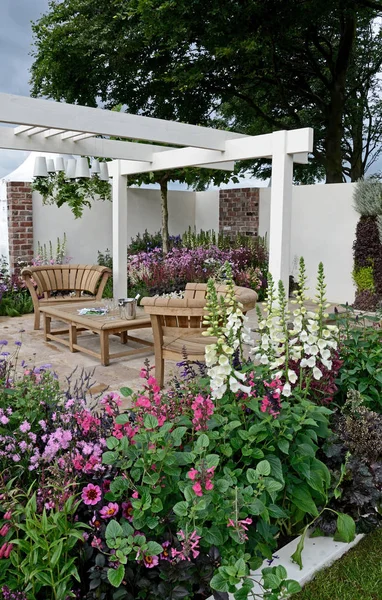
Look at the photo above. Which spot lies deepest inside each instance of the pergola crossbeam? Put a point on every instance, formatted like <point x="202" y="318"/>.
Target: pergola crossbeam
<point x="69" y="117"/>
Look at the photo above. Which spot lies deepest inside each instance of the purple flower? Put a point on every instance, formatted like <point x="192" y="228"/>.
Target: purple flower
<point x="24" y="427"/>
<point x="17" y="343"/>
<point x="3" y="343"/>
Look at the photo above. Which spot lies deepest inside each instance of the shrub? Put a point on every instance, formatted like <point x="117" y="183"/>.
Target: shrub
<point x="15" y="299"/>
<point x="361" y="354"/>
<point x="367" y="197"/>
<point x="363" y="279"/>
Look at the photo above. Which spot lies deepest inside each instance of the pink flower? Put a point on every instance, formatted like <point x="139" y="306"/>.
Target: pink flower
<point x="197" y="489"/>
<point x="143" y="402"/>
<point x="96" y="542"/>
<point x="150" y="561"/>
<point x="24" y="427"/>
<point x="135" y="495"/>
<point x="91" y="494"/>
<point x="189" y="546"/>
<point x="192" y="474"/>
<point x="203" y="409"/>
<point x="4" y="420"/>
<point x="165" y="555"/>
<point x="109" y="511"/>
<point x="127" y="510"/>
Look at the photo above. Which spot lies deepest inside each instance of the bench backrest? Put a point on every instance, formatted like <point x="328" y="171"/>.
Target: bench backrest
<point x="189" y="312"/>
<point x="79" y="278"/>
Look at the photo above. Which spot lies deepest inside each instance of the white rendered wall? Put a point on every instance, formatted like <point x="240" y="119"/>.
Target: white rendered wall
<point x="207" y="210"/>
<point x="93" y="231"/>
<point x="323" y="229"/>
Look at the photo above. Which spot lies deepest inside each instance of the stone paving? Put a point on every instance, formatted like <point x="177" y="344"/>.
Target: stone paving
<point x="121" y="372"/>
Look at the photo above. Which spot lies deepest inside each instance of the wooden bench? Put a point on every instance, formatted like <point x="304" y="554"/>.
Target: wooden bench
<point x="178" y="323"/>
<point x="43" y="282"/>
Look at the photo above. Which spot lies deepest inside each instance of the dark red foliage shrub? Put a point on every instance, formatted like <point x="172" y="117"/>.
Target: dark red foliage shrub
<point x="366" y="300"/>
<point x="367" y="246"/>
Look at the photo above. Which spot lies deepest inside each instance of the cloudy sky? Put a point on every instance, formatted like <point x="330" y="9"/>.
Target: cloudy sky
<point x="15" y="59"/>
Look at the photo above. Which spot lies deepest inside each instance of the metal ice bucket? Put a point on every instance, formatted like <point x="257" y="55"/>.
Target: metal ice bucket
<point x="127" y="308"/>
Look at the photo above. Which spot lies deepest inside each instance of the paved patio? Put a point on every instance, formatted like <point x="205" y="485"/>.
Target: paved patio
<point x="121" y="372"/>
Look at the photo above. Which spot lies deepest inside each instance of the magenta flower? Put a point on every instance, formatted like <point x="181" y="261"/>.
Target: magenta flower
<point x="165" y="555"/>
<point x="189" y="543"/>
<point x="109" y="511"/>
<point x="127" y="510"/>
<point x="150" y="561"/>
<point x="91" y="494"/>
<point x="24" y="427"/>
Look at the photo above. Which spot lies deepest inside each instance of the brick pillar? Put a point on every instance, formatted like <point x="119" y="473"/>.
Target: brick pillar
<point x="20" y="223"/>
<point x="239" y="211"/>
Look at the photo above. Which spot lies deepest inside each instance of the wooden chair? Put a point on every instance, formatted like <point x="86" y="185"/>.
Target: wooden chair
<point x="43" y="281"/>
<point x="178" y="323"/>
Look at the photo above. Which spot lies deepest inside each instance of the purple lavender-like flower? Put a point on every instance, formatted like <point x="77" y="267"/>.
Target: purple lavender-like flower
<point x="3" y="343"/>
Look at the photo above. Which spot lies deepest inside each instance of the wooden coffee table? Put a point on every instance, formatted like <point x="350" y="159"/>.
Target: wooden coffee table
<point x="101" y="325"/>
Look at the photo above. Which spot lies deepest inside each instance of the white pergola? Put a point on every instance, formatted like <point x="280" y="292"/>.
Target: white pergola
<point x="46" y="126"/>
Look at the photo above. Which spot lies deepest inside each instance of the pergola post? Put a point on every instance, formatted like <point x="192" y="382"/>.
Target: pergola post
<point x="281" y="209"/>
<point x="119" y="191"/>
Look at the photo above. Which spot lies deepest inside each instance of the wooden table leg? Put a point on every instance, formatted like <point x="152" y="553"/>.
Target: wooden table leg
<point x="105" y="355"/>
<point x="47" y="321"/>
<point x="124" y="336"/>
<point x="72" y="337"/>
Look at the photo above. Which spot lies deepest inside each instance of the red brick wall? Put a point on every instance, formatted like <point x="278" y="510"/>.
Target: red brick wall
<point x="239" y="211"/>
<point x="20" y="223"/>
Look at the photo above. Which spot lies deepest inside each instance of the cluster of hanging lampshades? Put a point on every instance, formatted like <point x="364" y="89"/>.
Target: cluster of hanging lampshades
<point x="71" y="167"/>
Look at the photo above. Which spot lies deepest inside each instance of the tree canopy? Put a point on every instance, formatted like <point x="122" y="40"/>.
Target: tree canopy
<point x="253" y="65"/>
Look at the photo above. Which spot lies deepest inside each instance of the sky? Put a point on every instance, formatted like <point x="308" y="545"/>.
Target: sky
<point x="15" y="59"/>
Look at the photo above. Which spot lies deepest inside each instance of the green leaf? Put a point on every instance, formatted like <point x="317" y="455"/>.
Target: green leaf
<point x="109" y="458"/>
<point x="112" y="443"/>
<point x="126" y="392"/>
<point x="283" y="444"/>
<point x="241" y="569"/>
<point x="156" y="505"/>
<point x="292" y="586"/>
<point x="114" y="530"/>
<point x="202" y="441"/>
<point x="177" y="435"/>
<point x="153" y="549"/>
<point x="150" y="422"/>
<point x="122" y="419"/>
<point x="212" y="460"/>
<point x="219" y="583"/>
<point x="263" y="468"/>
<point x="296" y="556"/>
<point x="304" y="501"/>
<point x="252" y="476"/>
<point x="115" y="576"/>
<point x="181" y="509"/>
<point x="345" y="528"/>
<point x="221" y="485"/>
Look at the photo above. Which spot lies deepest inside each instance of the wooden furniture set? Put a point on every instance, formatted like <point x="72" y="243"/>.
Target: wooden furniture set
<point x="177" y="323"/>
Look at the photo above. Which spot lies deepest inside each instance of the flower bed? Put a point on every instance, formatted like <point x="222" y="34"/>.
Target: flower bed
<point x="187" y="493"/>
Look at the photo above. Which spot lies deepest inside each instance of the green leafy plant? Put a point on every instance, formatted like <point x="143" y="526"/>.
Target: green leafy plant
<point x="364" y="279"/>
<point x="361" y="355"/>
<point x="43" y="543"/>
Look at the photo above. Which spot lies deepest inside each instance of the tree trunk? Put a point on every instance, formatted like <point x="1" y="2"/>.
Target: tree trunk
<point x="336" y="108"/>
<point x="163" y="193"/>
<point x="334" y="134"/>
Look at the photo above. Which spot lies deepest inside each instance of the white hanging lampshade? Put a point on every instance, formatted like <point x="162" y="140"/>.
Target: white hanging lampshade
<point x="60" y="164"/>
<point x="104" y="172"/>
<point x="82" y="168"/>
<point x="70" y="172"/>
<point x="95" y="167"/>
<point x="50" y="165"/>
<point x="40" y="167"/>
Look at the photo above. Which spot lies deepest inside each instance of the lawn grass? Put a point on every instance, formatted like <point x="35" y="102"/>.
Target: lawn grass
<point x="356" y="576"/>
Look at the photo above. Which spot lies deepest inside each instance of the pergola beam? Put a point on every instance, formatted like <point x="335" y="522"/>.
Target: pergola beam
<point x="262" y="146"/>
<point x="69" y="117"/>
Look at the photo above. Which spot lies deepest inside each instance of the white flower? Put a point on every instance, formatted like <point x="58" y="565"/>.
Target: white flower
<point x="223" y="360"/>
<point x="317" y="374"/>
<point x="327" y="364"/>
<point x="235" y="386"/>
<point x="303" y="336"/>
<point x="322" y="344"/>
<point x="325" y="354"/>
<point x="303" y="363"/>
<point x="292" y="376"/>
<point x="239" y="375"/>
<point x="314" y="349"/>
<point x="311" y="362"/>
<point x="264" y="359"/>
<point x="287" y="390"/>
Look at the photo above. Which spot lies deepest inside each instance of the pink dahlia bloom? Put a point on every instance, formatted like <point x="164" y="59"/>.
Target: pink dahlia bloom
<point x="91" y="494"/>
